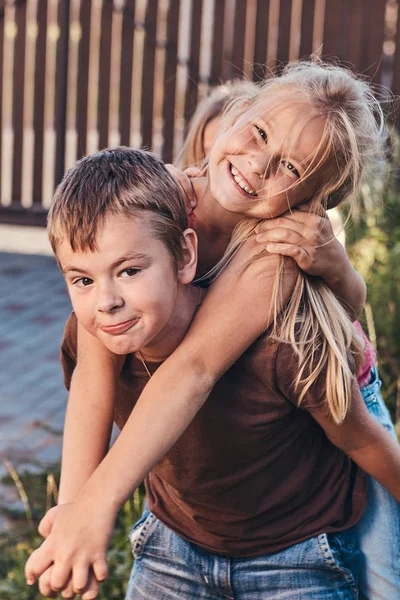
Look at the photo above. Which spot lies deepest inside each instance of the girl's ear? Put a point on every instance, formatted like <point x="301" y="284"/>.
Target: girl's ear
<point x="188" y="263"/>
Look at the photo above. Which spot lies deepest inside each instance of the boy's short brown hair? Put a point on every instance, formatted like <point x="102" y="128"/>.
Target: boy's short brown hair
<point x="117" y="181"/>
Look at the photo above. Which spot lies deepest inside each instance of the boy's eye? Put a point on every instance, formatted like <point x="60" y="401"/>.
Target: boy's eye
<point x="291" y="167"/>
<point x="261" y="133"/>
<point x="130" y="272"/>
<point x="83" y="282"/>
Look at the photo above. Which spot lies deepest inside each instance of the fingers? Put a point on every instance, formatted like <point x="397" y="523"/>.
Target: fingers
<point x="300" y="255"/>
<point x="92" y="589"/>
<point x="46" y="523"/>
<point x="37" y="564"/>
<point x="184" y="182"/>
<point x="60" y="575"/>
<point x="100" y="569"/>
<point x="287" y="236"/>
<point x="44" y="585"/>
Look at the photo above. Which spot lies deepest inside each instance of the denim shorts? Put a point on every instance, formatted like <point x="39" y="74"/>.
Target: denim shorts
<point x="168" y="567"/>
<point x="378" y="531"/>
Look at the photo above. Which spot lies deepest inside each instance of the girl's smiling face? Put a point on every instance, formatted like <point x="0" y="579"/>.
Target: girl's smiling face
<point x="261" y="165"/>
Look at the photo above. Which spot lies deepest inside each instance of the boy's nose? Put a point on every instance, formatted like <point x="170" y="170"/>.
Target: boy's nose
<point x="108" y="301"/>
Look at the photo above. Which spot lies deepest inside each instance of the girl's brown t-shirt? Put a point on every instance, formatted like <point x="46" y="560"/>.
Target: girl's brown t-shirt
<point x="253" y="473"/>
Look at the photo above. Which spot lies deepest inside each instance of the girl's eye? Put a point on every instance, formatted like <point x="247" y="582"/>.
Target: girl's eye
<point x="83" y="282"/>
<point x="291" y="168"/>
<point x="261" y="133"/>
<point x="130" y="272"/>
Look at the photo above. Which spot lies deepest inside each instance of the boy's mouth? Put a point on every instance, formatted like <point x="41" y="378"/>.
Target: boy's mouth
<point x="119" y="328"/>
<point x="241" y="182"/>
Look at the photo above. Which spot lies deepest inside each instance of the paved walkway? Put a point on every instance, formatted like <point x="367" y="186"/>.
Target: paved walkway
<point x="34" y="306"/>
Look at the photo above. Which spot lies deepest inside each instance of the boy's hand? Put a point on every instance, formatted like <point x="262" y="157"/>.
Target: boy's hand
<point x="306" y="237"/>
<point x="75" y="547"/>
<point x="183" y="179"/>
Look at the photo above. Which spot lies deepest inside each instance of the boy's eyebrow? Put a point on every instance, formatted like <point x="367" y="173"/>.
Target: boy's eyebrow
<point x="126" y="257"/>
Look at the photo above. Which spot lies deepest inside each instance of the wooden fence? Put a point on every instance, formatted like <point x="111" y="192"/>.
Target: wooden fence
<point x="78" y="75"/>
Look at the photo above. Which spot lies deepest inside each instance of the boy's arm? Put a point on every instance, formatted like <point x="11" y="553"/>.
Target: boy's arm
<point x="89" y="415"/>
<point x="236" y="311"/>
<point x="309" y="239"/>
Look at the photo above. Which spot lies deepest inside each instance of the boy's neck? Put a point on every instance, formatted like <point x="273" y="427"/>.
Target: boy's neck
<point x="188" y="299"/>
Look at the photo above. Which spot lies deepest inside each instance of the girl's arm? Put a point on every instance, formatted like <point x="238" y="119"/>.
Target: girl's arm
<point x="236" y="310"/>
<point x="90" y="412"/>
<point x="309" y="239"/>
<point x="367" y="442"/>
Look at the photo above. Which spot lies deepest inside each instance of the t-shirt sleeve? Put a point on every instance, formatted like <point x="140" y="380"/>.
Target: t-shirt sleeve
<point x="287" y="369"/>
<point x="69" y="349"/>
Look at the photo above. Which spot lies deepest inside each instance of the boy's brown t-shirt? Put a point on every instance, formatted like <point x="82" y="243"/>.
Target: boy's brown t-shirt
<point x="252" y="474"/>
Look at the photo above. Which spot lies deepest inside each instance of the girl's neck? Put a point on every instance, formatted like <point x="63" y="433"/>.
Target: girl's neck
<point x="188" y="299"/>
<point x="212" y="218"/>
<point x="213" y="225"/>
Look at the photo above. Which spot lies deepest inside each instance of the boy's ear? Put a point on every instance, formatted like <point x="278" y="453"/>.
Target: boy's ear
<point x="188" y="263"/>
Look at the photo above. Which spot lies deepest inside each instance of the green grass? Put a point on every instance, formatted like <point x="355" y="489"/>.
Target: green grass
<point x="19" y="542"/>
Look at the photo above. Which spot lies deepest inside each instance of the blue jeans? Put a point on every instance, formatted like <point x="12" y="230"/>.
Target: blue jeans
<point x="168" y="567"/>
<point x="378" y="531"/>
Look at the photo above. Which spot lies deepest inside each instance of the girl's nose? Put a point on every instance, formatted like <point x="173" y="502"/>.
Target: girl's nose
<point x="261" y="163"/>
<point x="109" y="300"/>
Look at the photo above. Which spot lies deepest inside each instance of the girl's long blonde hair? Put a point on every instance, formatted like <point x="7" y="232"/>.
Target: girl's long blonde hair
<point x="313" y="321"/>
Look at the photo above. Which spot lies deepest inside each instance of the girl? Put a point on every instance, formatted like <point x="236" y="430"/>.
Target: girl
<point x="378" y="531"/>
<point x="314" y="147"/>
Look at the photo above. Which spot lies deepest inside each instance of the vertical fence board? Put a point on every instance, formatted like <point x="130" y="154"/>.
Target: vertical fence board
<point x="307" y="28"/>
<point x="194" y="61"/>
<point x="285" y="14"/>
<point x="371" y="63"/>
<point x="1" y="85"/>
<point x="18" y="101"/>
<point x="217" y="42"/>
<point x="125" y="96"/>
<point x="332" y="28"/>
<point x="83" y="76"/>
<point x="171" y="57"/>
<point x="60" y="109"/>
<point x="103" y="113"/>
<point x="149" y="53"/>
<point x="355" y="32"/>
<point x="396" y="70"/>
<point x="38" y="116"/>
<point x="260" y="45"/>
<point x="239" y="29"/>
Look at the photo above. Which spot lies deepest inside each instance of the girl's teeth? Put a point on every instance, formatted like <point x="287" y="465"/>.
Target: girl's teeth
<point x="240" y="181"/>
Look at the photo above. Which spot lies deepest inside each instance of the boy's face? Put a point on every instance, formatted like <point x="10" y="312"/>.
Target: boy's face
<point x="257" y="168"/>
<point x="125" y="292"/>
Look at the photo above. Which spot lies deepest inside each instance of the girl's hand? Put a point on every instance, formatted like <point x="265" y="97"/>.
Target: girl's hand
<point x="183" y="179"/>
<point x="75" y="547"/>
<point x="90" y="593"/>
<point x="306" y="237"/>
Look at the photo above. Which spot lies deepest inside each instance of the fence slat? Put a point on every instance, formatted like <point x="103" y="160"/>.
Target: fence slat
<point x="239" y="30"/>
<point x="1" y="87"/>
<point x="149" y="53"/>
<point x="194" y="61"/>
<point x="125" y="95"/>
<point x="60" y="108"/>
<point x="103" y="113"/>
<point x="355" y="33"/>
<point x="260" y="45"/>
<point x="285" y="14"/>
<point x="373" y="37"/>
<point x="83" y="77"/>
<point x="18" y="101"/>
<point x="307" y="28"/>
<point x="217" y="42"/>
<point x="332" y="28"/>
<point x="168" y="109"/>
<point x="38" y="115"/>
